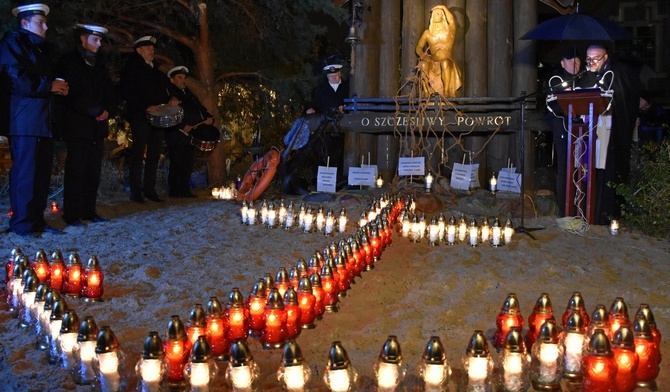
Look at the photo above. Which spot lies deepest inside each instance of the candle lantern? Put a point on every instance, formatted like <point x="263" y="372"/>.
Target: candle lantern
<point x="542" y="311"/>
<point x="92" y="287"/>
<point x="302" y="267"/>
<point x="509" y="316"/>
<point x="618" y="315"/>
<point x="67" y="339"/>
<point x="256" y="306"/>
<point x="614" y="227"/>
<point x="56" y="270"/>
<point x="197" y="323"/>
<point x="72" y="278"/>
<point x="342" y="221"/>
<point x="275" y="331"/>
<point x="85" y="350"/>
<point x="176" y="351"/>
<point x="44" y="336"/>
<point x="290" y="216"/>
<point x="434" y="368"/>
<point x="293" y="313"/>
<point x="307" y="302"/>
<point x="9" y="264"/>
<point x="508" y="231"/>
<point x="429" y="182"/>
<point x="415" y="230"/>
<point x="301" y="215"/>
<point x="600" y="319"/>
<point x="293" y="373"/>
<point x="375" y="244"/>
<point x="109" y="361"/>
<point x="645" y="311"/>
<point x="264" y="212"/>
<point x="282" y="213"/>
<point x="363" y="219"/>
<point x="271" y="216"/>
<point x="575" y="304"/>
<point x="15" y="290"/>
<point x="380" y="181"/>
<point x="282" y="281"/>
<point x="28" y="300"/>
<point x="319" y="295"/>
<point x="406" y="226"/>
<point x="441" y="227"/>
<point x="344" y="277"/>
<point x="339" y="376"/>
<point x="546" y="366"/>
<point x="217" y="329"/>
<point x="244" y="211"/>
<point x="389" y="369"/>
<point x="648" y="352"/>
<point x="38" y="306"/>
<point x="485" y="230"/>
<point x="59" y="307"/>
<point x="27" y="273"/>
<point x="251" y="214"/>
<point x="600" y="367"/>
<point x="237" y="315"/>
<point x="151" y="368"/>
<point x="496" y="233"/>
<point x="308" y="220"/>
<point x="623" y="348"/>
<point x="201" y="368"/>
<point x="294" y="277"/>
<point x="242" y="372"/>
<point x="462" y="229"/>
<point x="451" y="231"/>
<point x="216" y="192"/>
<point x="40" y="266"/>
<point x="54" y="207"/>
<point x="515" y="362"/>
<point x="433" y="232"/>
<point x="269" y="283"/>
<point x="574" y="342"/>
<point x="477" y="363"/>
<point x="330" y="289"/>
<point x="473" y="232"/>
<point x="320" y="219"/>
<point x="493" y="183"/>
<point x="330" y="223"/>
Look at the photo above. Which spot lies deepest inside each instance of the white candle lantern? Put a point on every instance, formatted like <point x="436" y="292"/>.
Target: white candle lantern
<point x="251" y="214"/>
<point x="363" y="220"/>
<point x="433" y="232"/>
<point x="85" y="351"/>
<point x="415" y="230"/>
<point x="493" y="183"/>
<point x="320" y="219"/>
<point x="339" y="375"/>
<point x="477" y="363"/>
<point x="406" y="226"/>
<point x="307" y="220"/>
<point x="28" y="300"/>
<point x="293" y="373"/>
<point x="546" y="365"/>
<point x="451" y="231"/>
<point x="508" y="231"/>
<point x="242" y="372"/>
<point x="151" y="368"/>
<point x="485" y="230"/>
<point x="429" y="182"/>
<point x="473" y="232"/>
<point x="515" y="362"/>
<point x="290" y="216"/>
<point x="281" y="213"/>
<point x="441" y="227"/>
<point x="380" y="181"/>
<point x="272" y="216"/>
<point x="264" y="212"/>
<point x="301" y="215"/>
<point x="216" y="192"/>
<point x="244" y="210"/>
<point x="496" y="233"/>
<point x="108" y="359"/>
<point x="201" y="368"/>
<point x="434" y="369"/>
<point x="462" y="229"/>
<point x="67" y="339"/>
<point x="330" y="223"/>
<point x="574" y="342"/>
<point x="389" y="370"/>
<point x="342" y="221"/>
<point x="614" y="227"/>
<point x="59" y="307"/>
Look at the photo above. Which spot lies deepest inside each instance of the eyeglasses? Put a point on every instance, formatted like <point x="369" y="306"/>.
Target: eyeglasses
<point x="595" y="60"/>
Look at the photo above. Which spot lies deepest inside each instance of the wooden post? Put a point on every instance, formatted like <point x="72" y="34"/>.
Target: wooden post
<point x="412" y="28"/>
<point x="475" y="49"/>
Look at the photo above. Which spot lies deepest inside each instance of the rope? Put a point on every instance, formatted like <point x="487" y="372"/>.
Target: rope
<point x="573" y="224"/>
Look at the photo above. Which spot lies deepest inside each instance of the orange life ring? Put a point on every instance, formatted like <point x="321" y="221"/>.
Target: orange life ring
<point x="258" y="177"/>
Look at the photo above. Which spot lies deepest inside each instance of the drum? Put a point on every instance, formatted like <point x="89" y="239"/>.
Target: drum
<point x="166" y="116"/>
<point x="204" y="137"/>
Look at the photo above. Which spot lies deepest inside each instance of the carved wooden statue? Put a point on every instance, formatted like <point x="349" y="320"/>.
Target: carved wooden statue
<point x="437" y="69"/>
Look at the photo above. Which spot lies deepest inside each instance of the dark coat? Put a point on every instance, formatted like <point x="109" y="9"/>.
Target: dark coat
<point x="142" y="86"/>
<point x="91" y="93"/>
<point x="25" y="78"/>
<point x="325" y="98"/>
<point x="194" y="111"/>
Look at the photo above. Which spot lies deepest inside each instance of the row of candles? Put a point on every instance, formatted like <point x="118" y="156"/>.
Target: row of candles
<point x="228" y="192"/>
<point x="449" y="232"/>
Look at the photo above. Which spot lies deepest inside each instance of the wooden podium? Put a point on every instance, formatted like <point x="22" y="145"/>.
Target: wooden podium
<point x="581" y="164"/>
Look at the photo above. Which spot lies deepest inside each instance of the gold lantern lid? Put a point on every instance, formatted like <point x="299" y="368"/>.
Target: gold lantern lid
<point x="619" y="308"/>
<point x="240" y="355"/>
<point x="202" y="351"/>
<point x="305" y="285"/>
<point x="338" y="359"/>
<point x="543" y="305"/>
<point x="548" y="332"/>
<point x="88" y="330"/>
<point x="514" y="341"/>
<point x="576" y="301"/>
<point x="511" y="305"/>
<point x="235" y="298"/>
<point x="175" y="329"/>
<point x="153" y="346"/>
<point x="41" y="292"/>
<point x="274" y="300"/>
<point x="197" y="317"/>
<point x="56" y="257"/>
<point x="214" y="307"/>
<point x="74" y="259"/>
<point x="315" y="280"/>
<point x="599" y="345"/>
<point x="58" y="309"/>
<point x="642" y="329"/>
<point x="292" y="355"/>
<point x="645" y="311"/>
<point x="281" y="276"/>
<point x="624" y="338"/>
<point x="575" y="323"/>
<point x="390" y="352"/>
<point x="434" y="353"/>
<point x="600" y="316"/>
<point x="40" y="256"/>
<point x="51" y="296"/>
<point x="70" y="322"/>
<point x="291" y="297"/>
<point x="478" y="346"/>
<point x="106" y="341"/>
<point x="93" y="264"/>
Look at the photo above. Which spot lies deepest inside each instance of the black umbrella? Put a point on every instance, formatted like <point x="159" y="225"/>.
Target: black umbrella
<point x="578" y="27"/>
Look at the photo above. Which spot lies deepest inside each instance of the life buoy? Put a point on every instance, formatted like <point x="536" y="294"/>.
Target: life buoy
<point x="258" y="177"/>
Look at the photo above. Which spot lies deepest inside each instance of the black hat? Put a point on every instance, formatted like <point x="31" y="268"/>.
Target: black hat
<point x="332" y="68"/>
<point x="570" y="53"/>
<point x="144" y="41"/>
<point x="23" y="11"/>
<point x="91" y="29"/>
<point x="177" y="70"/>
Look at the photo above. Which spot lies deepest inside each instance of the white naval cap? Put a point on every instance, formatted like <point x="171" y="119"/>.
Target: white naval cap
<point x="180" y="69"/>
<point x="146" y="40"/>
<point x="31" y="9"/>
<point x="332" y="68"/>
<point x="91" y="29"/>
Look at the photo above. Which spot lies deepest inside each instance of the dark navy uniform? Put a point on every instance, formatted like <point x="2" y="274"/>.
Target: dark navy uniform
<point x="26" y="83"/>
<point x="91" y="94"/>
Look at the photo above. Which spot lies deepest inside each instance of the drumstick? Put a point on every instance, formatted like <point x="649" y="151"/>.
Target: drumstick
<point x="194" y="126"/>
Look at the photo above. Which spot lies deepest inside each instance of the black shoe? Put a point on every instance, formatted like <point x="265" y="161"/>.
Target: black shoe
<point x="74" y="222"/>
<point x="153" y="197"/>
<point x="97" y="219"/>
<point x="52" y="230"/>
<point x="137" y="197"/>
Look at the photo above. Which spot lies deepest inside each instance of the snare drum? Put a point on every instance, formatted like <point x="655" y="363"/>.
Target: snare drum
<point x="204" y="137"/>
<point x="166" y="116"/>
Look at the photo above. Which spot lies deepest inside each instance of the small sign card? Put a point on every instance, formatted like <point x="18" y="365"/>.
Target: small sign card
<point x="362" y="175"/>
<point x="509" y="180"/>
<point x="411" y="166"/>
<point x="372" y="166"/>
<point x="461" y="176"/>
<point x="474" y="176"/>
<point x="326" y="179"/>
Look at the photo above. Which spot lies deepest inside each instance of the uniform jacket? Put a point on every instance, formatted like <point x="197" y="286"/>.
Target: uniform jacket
<point x="325" y="98"/>
<point x="91" y="93"/>
<point x="194" y="111"/>
<point x="25" y="79"/>
<point x="142" y="86"/>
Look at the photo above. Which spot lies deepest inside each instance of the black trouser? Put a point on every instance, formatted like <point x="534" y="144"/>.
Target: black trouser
<point x="82" y="178"/>
<point x="560" y="137"/>
<point x="29" y="179"/>
<point x="145" y="137"/>
<point x="181" y="153"/>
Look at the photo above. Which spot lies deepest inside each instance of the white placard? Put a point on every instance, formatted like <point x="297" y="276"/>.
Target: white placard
<point x="326" y="179"/>
<point x="474" y="176"/>
<point x="510" y="169"/>
<point x="460" y="176"/>
<point x="509" y="181"/>
<point x="362" y="176"/>
<point x="373" y="166"/>
<point x="412" y="166"/>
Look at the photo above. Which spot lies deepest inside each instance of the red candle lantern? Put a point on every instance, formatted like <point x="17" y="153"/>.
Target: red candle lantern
<point x="307" y="302"/>
<point x="294" y="277"/>
<point x="509" y="316"/>
<point x="601" y="319"/>
<point x="237" y="316"/>
<point x="197" y="324"/>
<point x="375" y="243"/>
<point x="91" y="289"/>
<point x="302" y="267"/>
<point x="217" y="329"/>
<point x="40" y="266"/>
<point x="56" y="270"/>
<point x="9" y="264"/>
<point x="54" y="207"/>
<point x="330" y="289"/>
<point x="176" y="351"/>
<point x="269" y="283"/>
<point x="275" y="331"/>
<point x="618" y="315"/>
<point x="576" y="304"/>
<point x="282" y="281"/>
<point x="314" y="264"/>
<point x="623" y="348"/>
<point x="648" y="353"/>
<point x="293" y="313"/>
<point x="319" y="295"/>
<point x="369" y="252"/>
<point x="72" y="281"/>
<point x="256" y="306"/>
<point x="542" y="311"/>
<point x="600" y="367"/>
<point x="344" y="280"/>
<point x="645" y="311"/>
